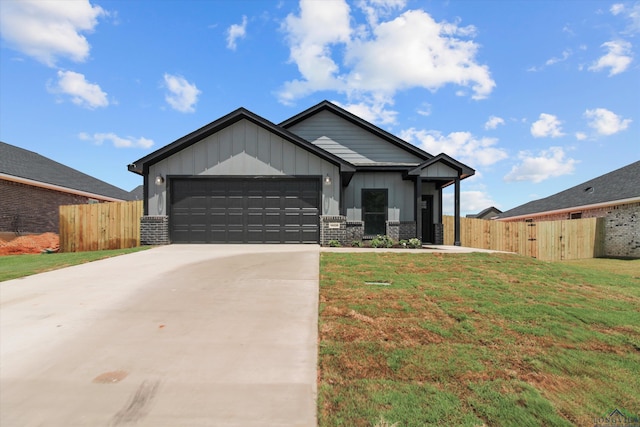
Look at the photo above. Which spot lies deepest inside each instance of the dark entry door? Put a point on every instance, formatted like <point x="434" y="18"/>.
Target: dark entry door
<point x="427" y="219"/>
<point x="244" y="210"/>
<point x="374" y="211"/>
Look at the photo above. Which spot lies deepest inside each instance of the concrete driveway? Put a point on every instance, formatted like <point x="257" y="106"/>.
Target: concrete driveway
<point x="180" y="335"/>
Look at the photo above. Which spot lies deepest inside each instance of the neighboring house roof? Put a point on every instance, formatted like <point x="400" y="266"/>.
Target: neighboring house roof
<point x="381" y="133"/>
<point x="241" y="113"/>
<point x="617" y="187"/>
<point x="137" y="193"/>
<point x="27" y="167"/>
<point x="487" y="213"/>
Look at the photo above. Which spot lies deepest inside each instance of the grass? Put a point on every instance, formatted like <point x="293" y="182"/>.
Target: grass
<point x="476" y="340"/>
<point x="16" y="266"/>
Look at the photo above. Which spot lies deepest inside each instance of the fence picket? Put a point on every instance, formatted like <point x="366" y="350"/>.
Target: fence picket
<point x="100" y="226"/>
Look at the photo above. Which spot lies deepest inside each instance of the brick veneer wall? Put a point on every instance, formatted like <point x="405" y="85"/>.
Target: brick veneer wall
<point x="28" y="209"/>
<point x="622" y="231"/>
<point x="355" y="232"/>
<point x="327" y="234"/>
<point x="586" y="213"/>
<point x="407" y="230"/>
<point x="154" y="230"/>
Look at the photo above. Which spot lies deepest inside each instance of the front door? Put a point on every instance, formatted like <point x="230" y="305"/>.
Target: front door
<point x="427" y="219"/>
<point x="374" y="211"/>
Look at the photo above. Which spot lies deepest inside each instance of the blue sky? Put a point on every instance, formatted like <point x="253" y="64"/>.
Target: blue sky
<point x="537" y="96"/>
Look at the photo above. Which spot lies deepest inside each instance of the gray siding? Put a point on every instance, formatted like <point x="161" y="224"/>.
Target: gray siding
<point x="400" y="195"/>
<point x="244" y="149"/>
<point x="438" y="170"/>
<point x="349" y="141"/>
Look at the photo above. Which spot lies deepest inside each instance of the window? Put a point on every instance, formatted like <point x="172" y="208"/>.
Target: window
<point x="575" y="215"/>
<point x="374" y="211"/>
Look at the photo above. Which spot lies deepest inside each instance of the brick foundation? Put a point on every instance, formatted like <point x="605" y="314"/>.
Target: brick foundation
<point x="154" y="230"/>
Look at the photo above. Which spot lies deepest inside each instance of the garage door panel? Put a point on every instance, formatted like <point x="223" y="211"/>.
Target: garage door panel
<point x="244" y="210"/>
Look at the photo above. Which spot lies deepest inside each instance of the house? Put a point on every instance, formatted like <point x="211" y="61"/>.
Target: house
<point x="594" y="198"/>
<point x="323" y="174"/>
<point x="33" y="187"/>
<point x="487" y="213"/>
<point x="614" y="197"/>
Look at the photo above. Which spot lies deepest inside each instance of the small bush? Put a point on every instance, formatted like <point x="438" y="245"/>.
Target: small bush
<point x="414" y="243"/>
<point x="334" y="243"/>
<point x="381" y="242"/>
<point x="357" y="244"/>
<point x="403" y="243"/>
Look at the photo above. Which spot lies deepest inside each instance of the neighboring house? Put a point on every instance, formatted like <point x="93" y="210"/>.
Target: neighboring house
<point x="324" y="174"/>
<point x="594" y="198"/>
<point x="488" y="213"/>
<point x="32" y="188"/>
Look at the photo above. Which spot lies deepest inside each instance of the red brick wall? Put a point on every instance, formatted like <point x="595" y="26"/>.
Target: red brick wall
<point x="28" y="209"/>
<point x="586" y="213"/>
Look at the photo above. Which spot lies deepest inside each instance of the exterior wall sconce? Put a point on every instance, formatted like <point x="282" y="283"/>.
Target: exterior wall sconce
<point x="327" y="180"/>
<point x="159" y="180"/>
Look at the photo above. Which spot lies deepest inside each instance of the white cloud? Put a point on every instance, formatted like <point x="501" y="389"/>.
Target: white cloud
<point x="606" y="122"/>
<point x="48" y="30"/>
<point x="617" y="59"/>
<point x="425" y="109"/>
<point x="493" y="122"/>
<point x="82" y="93"/>
<point x="118" y="142"/>
<point x="235" y="32"/>
<point x="182" y="95"/>
<point x="372" y="110"/>
<point x="632" y="13"/>
<point x="460" y="145"/>
<point x="537" y="168"/>
<point x="581" y="136"/>
<point x="547" y="125"/>
<point x="374" y="61"/>
<point x="554" y="60"/>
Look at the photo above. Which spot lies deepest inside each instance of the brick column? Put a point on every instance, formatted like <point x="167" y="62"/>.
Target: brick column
<point x="154" y="230"/>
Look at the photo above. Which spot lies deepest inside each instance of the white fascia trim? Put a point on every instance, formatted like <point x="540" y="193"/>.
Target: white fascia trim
<point x="573" y="209"/>
<point x="58" y="188"/>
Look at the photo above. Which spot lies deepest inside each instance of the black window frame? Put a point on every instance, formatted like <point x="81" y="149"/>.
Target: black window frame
<point x="368" y="233"/>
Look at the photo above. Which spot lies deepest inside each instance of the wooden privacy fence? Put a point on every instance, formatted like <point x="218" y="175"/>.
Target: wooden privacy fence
<point x="545" y="240"/>
<point x="99" y="226"/>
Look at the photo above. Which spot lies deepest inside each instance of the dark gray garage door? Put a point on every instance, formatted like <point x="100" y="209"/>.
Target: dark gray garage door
<point x="244" y="210"/>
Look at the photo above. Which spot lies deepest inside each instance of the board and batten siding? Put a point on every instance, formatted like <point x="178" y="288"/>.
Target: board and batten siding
<point x="349" y="141"/>
<point x="438" y="170"/>
<point x="400" y="195"/>
<point x="243" y="149"/>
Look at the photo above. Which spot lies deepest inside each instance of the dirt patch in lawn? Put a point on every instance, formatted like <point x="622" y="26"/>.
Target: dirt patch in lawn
<point x="30" y="244"/>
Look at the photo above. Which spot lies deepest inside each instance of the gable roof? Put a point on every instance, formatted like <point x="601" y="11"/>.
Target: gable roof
<point x="27" y="167"/>
<point x="140" y="166"/>
<point x="620" y="185"/>
<point x="341" y="112"/>
<point x="483" y="213"/>
<point x="464" y="170"/>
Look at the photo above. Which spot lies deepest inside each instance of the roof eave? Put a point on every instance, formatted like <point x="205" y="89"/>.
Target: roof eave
<point x="60" y="188"/>
<point x="571" y="209"/>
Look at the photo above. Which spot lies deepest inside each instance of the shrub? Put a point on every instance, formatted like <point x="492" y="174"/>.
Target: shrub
<point x="357" y="244"/>
<point x="334" y="243"/>
<point x="414" y="243"/>
<point x="381" y="242"/>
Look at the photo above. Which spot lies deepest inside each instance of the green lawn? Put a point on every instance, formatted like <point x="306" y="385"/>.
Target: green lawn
<point x="475" y="339"/>
<point x="15" y="266"/>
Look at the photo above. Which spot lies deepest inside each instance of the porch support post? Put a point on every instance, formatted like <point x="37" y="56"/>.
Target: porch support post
<point x="418" y="205"/>
<point x="456" y="239"/>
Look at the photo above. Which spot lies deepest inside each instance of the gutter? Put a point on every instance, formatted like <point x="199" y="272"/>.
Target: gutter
<point x="572" y="209"/>
<point x="58" y="188"/>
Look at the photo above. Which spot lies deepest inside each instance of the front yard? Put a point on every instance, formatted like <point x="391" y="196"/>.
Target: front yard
<point x="477" y="339"/>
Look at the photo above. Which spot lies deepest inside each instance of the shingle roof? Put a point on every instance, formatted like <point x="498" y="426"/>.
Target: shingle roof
<point x="621" y="184"/>
<point x="21" y="163"/>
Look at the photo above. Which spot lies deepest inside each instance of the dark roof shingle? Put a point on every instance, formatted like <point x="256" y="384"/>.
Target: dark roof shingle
<point x="620" y="184"/>
<point x="18" y="162"/>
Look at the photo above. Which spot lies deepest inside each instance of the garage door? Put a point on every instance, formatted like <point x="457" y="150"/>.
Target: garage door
<point x="244" y="210"/>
